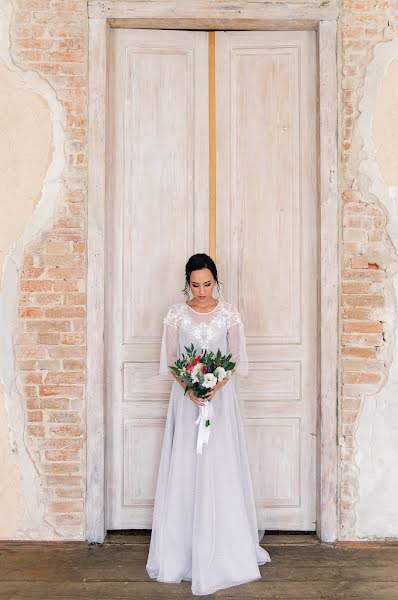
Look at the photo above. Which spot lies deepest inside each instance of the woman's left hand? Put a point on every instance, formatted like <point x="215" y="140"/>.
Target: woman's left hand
<point x="211" y="393"/>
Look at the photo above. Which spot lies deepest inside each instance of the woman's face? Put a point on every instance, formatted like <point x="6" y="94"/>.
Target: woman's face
<point x="202" y="283"/>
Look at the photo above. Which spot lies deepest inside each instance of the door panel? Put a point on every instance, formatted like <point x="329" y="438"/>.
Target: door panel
<point x="267" y="253"/>
<point x="266" y="237"/>
<point x="157" y="215"/>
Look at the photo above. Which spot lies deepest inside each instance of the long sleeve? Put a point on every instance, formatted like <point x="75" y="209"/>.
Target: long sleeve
<point x="237" y="342"/>
<point x="169" y="344"/>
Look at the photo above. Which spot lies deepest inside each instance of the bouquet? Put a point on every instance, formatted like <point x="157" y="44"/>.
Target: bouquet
<point x="201" y="373"/>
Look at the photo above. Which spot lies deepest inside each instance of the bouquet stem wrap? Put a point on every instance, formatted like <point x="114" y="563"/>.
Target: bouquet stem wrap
<point x="205" y="413"/>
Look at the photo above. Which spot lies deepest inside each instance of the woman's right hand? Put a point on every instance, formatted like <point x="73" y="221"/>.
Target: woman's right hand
<point x="198" y="401"/>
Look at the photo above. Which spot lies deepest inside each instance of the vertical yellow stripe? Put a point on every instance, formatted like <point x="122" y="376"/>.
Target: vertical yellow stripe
<point x="212" y="144"/>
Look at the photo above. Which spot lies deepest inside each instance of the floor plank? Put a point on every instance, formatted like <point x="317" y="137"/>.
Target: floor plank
<point x="301" y="569"/>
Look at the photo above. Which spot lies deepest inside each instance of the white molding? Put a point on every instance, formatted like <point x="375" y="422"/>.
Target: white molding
<point x="219" y="15"/>
<point x="329" y="275"/>
<point x="243" y="15"/>
<point x="95" y="499"/>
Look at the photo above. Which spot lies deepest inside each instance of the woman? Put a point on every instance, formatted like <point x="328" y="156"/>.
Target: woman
<point x="204" y="526"/>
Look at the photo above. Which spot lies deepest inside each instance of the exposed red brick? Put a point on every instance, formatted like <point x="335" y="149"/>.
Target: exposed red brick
<point x="50" y="37"/>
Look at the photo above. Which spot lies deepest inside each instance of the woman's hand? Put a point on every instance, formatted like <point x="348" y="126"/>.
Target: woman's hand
<point x="195" y="399"/>
<point x="211" y="393"/>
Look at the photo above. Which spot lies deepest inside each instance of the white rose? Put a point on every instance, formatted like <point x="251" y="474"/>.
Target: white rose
<point x="220" y="373"/>
<point x="194" y="373"/>
<point x="209" y="380"/>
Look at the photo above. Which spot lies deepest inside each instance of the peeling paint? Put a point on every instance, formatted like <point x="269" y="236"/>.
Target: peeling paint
<point x="373" y="466"/>
<point x="376" y="434"/>
<point x="34" y="525"/>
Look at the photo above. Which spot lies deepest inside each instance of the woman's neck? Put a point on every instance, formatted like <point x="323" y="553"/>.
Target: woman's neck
<point x="202" y="307"/>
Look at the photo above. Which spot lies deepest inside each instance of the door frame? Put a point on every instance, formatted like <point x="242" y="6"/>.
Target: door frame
<point x="205" y="15"/>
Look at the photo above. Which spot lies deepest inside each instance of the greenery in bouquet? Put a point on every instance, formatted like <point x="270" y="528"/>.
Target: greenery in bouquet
<point x="201" y="373"/>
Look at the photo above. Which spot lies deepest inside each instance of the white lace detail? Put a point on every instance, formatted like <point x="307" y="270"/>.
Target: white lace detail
<point x="173" y="316"/>
<point x="220" y="328"/>
<point x="224" y="314"/>
<point x="202" y="333"/>
<point x="203" y="328"/>
<point x="233" y="316"/>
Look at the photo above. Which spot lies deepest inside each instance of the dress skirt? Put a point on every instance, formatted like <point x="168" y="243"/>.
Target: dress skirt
<point x="204" y="526"/>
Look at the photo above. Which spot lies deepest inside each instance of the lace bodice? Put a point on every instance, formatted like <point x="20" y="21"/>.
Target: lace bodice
<point x="221" y="328"/>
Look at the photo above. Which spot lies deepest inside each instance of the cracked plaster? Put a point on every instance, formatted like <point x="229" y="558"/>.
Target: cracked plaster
<point x="376" y="434"/>
<point x="28" y="503"/>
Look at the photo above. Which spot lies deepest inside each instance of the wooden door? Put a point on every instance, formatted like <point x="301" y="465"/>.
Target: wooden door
<point x="266" y="219"/>
<point x="157" y="215"/>
<point x="267" y="250"/>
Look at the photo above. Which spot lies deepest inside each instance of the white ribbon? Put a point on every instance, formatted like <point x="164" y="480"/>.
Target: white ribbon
<point x="205" y="413"/>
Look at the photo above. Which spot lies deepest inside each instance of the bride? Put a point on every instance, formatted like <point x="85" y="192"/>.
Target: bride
<point x="204" y="527"/>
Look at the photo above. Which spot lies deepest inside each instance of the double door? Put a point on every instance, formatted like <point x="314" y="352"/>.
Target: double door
<point x="170" y="132"/>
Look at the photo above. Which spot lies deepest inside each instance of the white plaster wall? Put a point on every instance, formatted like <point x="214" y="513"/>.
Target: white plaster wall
<point x="32" y="160"/>
<point x="376" y="136"/>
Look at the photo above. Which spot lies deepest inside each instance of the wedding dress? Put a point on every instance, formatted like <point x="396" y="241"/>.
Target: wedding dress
<point x="204" y="527"/>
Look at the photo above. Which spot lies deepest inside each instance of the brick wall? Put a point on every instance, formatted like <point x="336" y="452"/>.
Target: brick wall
<point x="50" y="37"/>
<point x="364" y="301"/>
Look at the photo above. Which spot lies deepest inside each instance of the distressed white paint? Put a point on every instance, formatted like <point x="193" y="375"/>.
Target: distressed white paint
<point x="157" y="203"/>
<point x="267" y="247"/>
<point x="328" y="289"/>
<point x="327" y="498"/>
<point x="34" y="525"/>
<point x="377" y="432"/>
<point x="95" y="388"/>
<point x="215" y="15"/>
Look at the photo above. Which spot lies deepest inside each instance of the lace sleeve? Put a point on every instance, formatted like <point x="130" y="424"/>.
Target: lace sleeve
<point x="237" y="341"/>
<point x="169" y="344"/>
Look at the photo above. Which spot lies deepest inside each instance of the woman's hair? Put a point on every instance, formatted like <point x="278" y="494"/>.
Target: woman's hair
<point x="196" y="262"/>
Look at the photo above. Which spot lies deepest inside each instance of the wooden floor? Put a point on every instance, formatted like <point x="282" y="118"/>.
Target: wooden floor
<point x="301" y="569"/>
